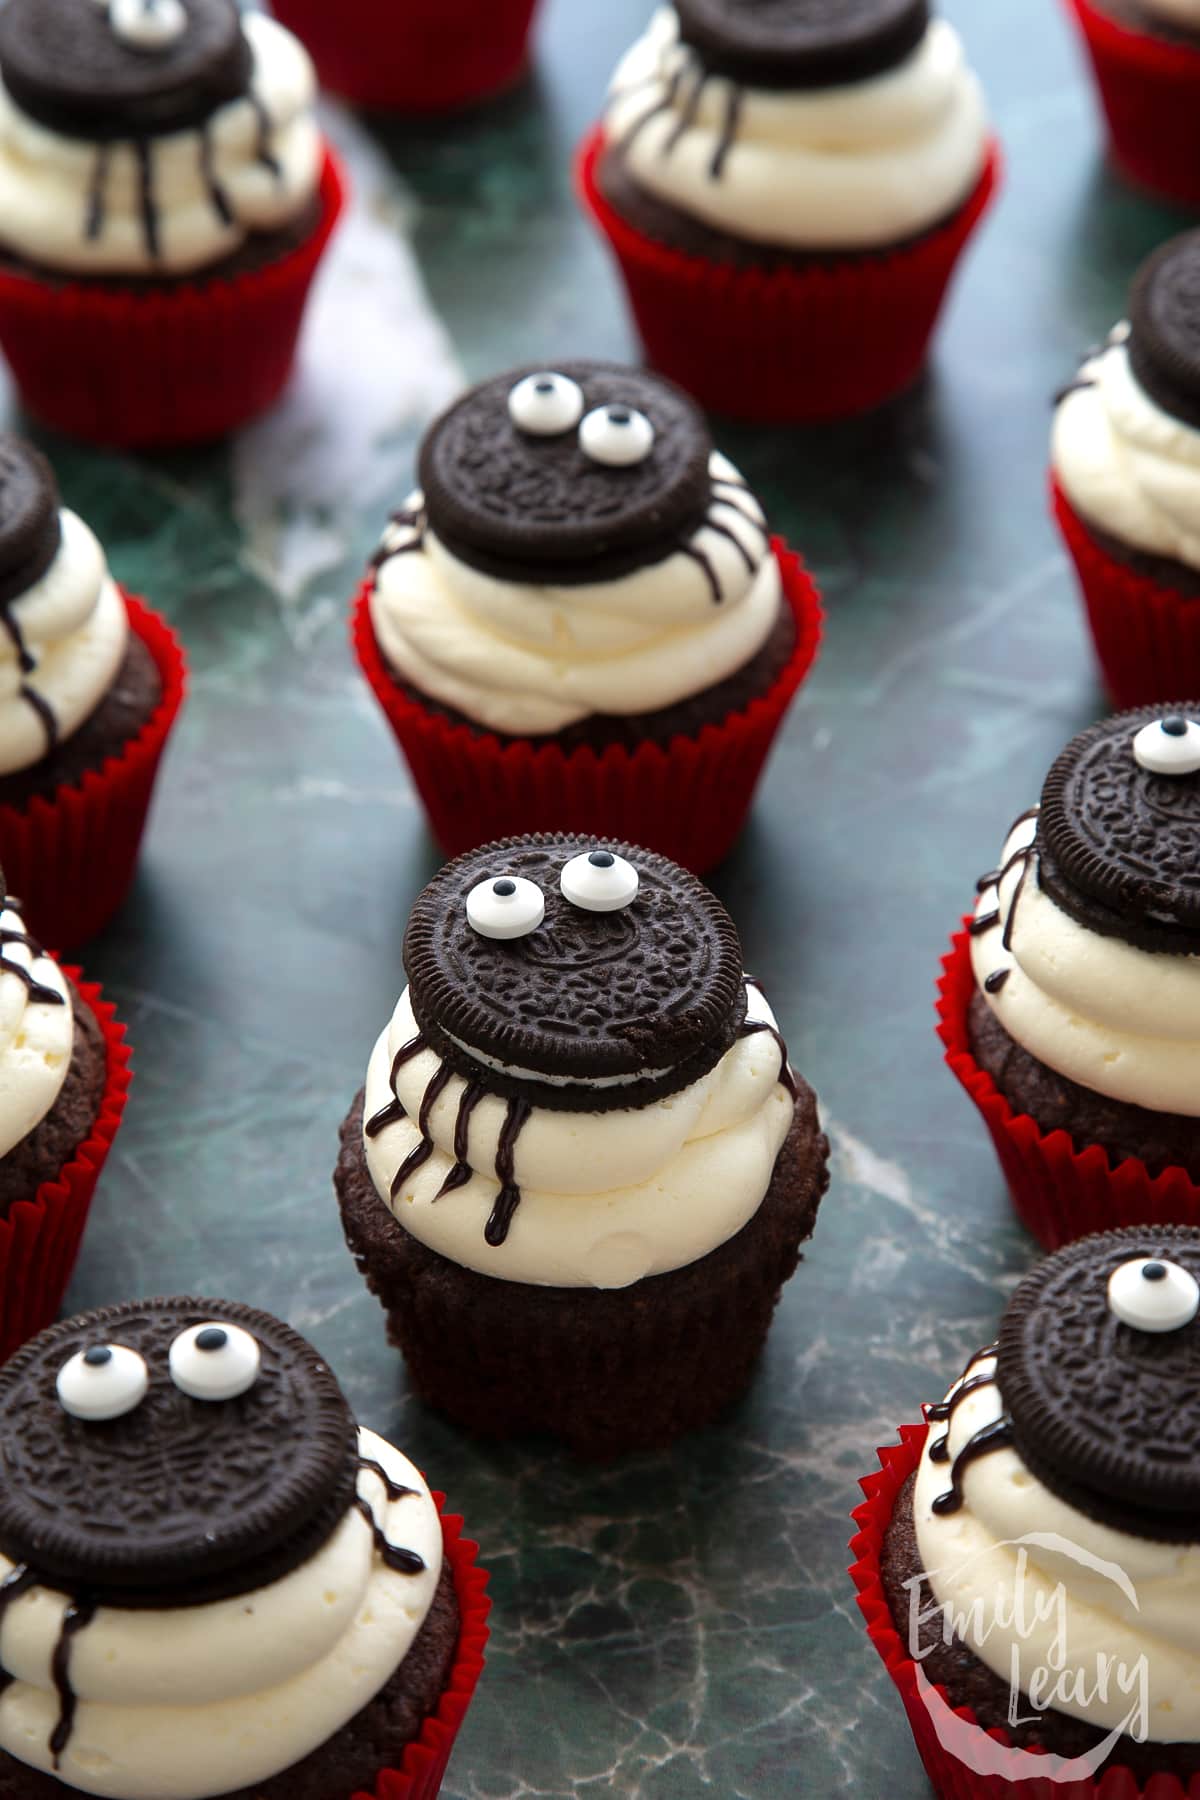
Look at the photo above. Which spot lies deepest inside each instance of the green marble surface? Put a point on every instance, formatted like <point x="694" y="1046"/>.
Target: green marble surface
<point x="680" y="1626"/>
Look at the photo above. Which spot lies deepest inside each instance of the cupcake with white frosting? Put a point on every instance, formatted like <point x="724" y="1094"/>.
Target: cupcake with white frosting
<point x="165" y="196"/>
<point x="90" y="684"/>
<point x="787" y="189"/>
<point x="580" y="617"/>
<point x="1125" y="457"/>
<point x="1145" y="56"/>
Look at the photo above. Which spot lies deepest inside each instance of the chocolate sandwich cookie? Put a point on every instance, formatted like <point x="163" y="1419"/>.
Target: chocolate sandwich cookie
<point x="1164" y="321"/>
<point x="29" y="525"/>
<point x="802" y="43"/>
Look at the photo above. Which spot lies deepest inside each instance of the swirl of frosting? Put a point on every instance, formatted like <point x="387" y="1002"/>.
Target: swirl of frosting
<point x="1122" y="1021"/>
<point x="169" y="204"/>
<point x="1032" y="1584"/>
<point x="185" y="1702"/>
<point x="37" y="1030"/>
<point x="1124" y="463"/>
<point x="849" y="167"/>
<point x="524" y="658"/>
<point x="607" y="1198"/>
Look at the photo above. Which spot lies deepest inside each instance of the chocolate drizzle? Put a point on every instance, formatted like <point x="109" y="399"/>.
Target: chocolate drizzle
<point x="263" y="152"/>
<point x="37" y="990"/>
<point x="987" y="921"/>
<point x="710" y="574"/>
<point x="216" y="193"/>
<point x="688" y="66"/>
<point x="395" y="1491"/>
<point x="412" y="518"/>
<point x="997" y="1435"/>
<point x="404" y="1562"/>
<point x="94" y="224"/>
<point x="509" y="1197"/>
<point x="729" y="130"/>
<point x="392" y="1112"/>
<point x="749" y="1028"/>
<point x="150" y="230"/>
<point x="462" y="1171"/>
<point x="996" y="980"/>
<point x="984" y="922"/>
<point x="77" y="1616"/>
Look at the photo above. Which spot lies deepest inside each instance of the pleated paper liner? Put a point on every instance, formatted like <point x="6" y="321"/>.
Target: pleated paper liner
<point x="150" y="368"/>
<point x="422" y="56"/>
<point x="1147" y="636"/>
<point x="962" y="1761"/>
<point x="424" y="1763"/>
<point x="792" y="344"/>
<point x="40" y="1238"/>
<point x="71" y="858"/>
<point x="1150" y="91"/>
<point x="687" y="799"/>
<point x="1059" y="1193"/>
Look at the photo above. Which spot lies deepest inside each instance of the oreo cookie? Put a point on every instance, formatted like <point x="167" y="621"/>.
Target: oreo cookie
<point x="1103" y="1412"/>
<point x="67" y="65"/>
<point x="517" y="492"/>
<point x="29" y="523"/>
<point x="1118" y="844"/>
<point x="161" y="1498"/>
<point x="586" y="1009"/>
<point x="802" y="43"/>
<point x="1164" y="327"/>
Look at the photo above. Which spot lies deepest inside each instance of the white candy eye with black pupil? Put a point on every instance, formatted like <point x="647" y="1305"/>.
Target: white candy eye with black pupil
<point x="214" y="1361"/>
<point x="505" y="906"/>
<point x="1169" y="746"/>
<point x="105" y="1381"/>
<point x="546" y="404"/>
<point x="616" y="435"/>
<point x="147" y="24"/>
<point x="598" y="881"/>
<point x="1151" y="1294"/>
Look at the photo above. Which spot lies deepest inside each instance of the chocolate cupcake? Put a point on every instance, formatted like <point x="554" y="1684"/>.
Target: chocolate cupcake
<point x="1126" y="482"/>
<point x="787" y="188"/>
<point x="1029" y="1566"/>
<point x="1071" y="1010"/>
<point x="580" y="618"/>
<point x="93" y="686"/>
<point x="581" y="1168"/>
<point x="165" y="195"/>
<point x="1145" y="56"/>
<point x="212" y="1581"/>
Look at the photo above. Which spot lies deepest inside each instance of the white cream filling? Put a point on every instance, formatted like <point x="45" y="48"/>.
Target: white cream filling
<point x="36" y="1039"/>
<point x="189" y="1702"/>
<point x="527" y="659"/>
<point x="867" y="163"/>
<point x="47" y="180"/>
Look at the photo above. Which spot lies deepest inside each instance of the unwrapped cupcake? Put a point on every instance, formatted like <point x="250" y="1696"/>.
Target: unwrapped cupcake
<point x="787" y="190"/>
<point x="1028" y="1562"/>
<point x="1126" y="483"/>
<point x="581" y="620"/>
<point x="90" y="684"/>
<point x="1145" y="55"/>
<point x="165" y="197"/>
<point x="581" y="1168"/>
<point x="1070" y="1007"/>
<point x="214" y="1584"/>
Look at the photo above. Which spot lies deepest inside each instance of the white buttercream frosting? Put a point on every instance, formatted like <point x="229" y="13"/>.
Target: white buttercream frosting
<point x="1003" y="1562"/>
<point x="867" y="163"/>
<point x="36" y="1036"/>
<point x="182" y="1703"/>
<point x="1124" y="463"/>
<point x="528" y="659"/>
<point x="81" y="206"/>
<point x="607" y="1198"/>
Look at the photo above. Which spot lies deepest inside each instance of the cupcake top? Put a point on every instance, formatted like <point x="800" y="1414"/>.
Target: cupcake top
<point x="576" y="547"/>
<point x="65" y="627"/>
<point x="800" y="125"/>
<point x="1064" y="1468"/>
<point x="37" y="1028"/>
<point x="1126" y="440"/>
<point x="149" y="137"/>
<point x="579" y="1086"/>
<point x="206" y="1567"/>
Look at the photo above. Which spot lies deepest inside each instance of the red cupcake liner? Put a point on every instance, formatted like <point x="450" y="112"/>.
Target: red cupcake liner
<point x="1147" y="636"/>
<point x="962" y="1760"/>
<point x="40" y="1238"/>
<point x="145" y="367"/>
<point x="424" y="1763"/>
<point x="791" y="344"/>
<point x="1150" y="91"/>
<point x="71" y="858"/>
<point x="687" y="799"/>
<point x="424" y="56"/>
<point x="1058" y="1192"/>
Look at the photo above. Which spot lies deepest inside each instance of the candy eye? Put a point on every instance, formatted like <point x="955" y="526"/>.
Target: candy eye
<point x="1170" y="746"/>
<point x="616" y="435"/>
<point x="1153" y="1295"/>
<point x="505" y="907"/>
<point x="105" y="1381"/>
<point x="545" y="404"/>
<point x="598" y="881"/>
<point x="214" y="1361"/>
